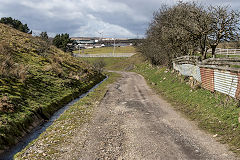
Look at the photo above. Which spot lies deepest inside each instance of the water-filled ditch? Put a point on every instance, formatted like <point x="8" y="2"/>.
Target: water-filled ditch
<point x="34" y="134"/>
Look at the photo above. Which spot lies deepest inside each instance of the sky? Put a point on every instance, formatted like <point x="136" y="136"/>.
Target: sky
<point x="99" y="18"/>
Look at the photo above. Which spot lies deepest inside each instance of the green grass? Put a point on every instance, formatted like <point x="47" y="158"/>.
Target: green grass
<point x="61" y="131"/>
<point x="117" y="63"/>
<point x="127" y="49"/>
<point x="109" y="62"/>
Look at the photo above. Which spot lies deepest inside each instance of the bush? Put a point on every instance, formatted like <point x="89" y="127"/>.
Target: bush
<point x="61" y="41"/>
<point x="44" y="44"/>
<point x="15" y="24"/>
<point x="98" y="65"/>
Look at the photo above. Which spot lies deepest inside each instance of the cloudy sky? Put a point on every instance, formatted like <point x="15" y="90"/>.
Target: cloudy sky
<point x="112" y="18"/>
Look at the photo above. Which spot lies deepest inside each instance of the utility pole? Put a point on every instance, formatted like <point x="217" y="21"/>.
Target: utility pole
<point x="114" y="45"/>
<point x="101" y="35"/>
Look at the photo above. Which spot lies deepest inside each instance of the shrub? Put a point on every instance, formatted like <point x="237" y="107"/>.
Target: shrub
<point x="61" y="41"/>
<point x="98" y="65"/>
<point x="15" y="24"/>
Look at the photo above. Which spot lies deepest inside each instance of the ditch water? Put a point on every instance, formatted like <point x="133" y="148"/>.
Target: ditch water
<point x="34" y="134"/>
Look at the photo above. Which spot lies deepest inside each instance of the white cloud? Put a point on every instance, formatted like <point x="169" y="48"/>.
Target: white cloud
<point x="123" y="18"/>
<point x="77" y="8"/>
<point x="79" y="11"/>
<point x="106" y="6"/>
<point x="95" y="26"/>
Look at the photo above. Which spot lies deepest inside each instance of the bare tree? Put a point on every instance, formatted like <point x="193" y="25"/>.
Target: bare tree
<point x="199" y="21"/>
<point x="224" y="26"/>
<point x="184" y="28"/>
<point x="174" y="31"/>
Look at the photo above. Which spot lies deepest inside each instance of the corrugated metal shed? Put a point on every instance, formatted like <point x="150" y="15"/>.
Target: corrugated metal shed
<point x="197" y="74"/>
<point x="212" y="73"/>
<point x="188" y="70"/>
<point x="225" y="82"/>
<point x="207" y="76"/>
<point x="185" y="69"/>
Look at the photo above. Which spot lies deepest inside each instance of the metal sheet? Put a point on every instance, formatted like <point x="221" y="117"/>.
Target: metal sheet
<point x="225" y="82"/>
<point x="188" y="70"/>
<point x="197" y="74"/>
<point x="213" y="79"/>
<point x="175" y="66"/>
<point x="207" y="76"/>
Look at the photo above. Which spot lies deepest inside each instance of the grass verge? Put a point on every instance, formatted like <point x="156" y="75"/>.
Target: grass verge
<point x="49" y="144"/>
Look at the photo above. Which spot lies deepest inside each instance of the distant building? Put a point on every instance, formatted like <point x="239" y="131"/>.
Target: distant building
<point x="107" y="39"/>
<point x="89" y="46"/>
<point x="96" y="42"/>
<point x="84" y="40"/>
<point x="98" y="45"/>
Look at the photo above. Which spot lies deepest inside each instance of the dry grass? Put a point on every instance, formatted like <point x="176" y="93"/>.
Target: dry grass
<point x="5" y="104"/>
<point x="8" y="67"/>
<point x="20" y="52"/>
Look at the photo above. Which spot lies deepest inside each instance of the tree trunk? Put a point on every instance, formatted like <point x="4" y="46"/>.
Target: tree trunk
<point x="213" y="50"/>
<point x="203" y="47"/>
<point x="205" y="55"/>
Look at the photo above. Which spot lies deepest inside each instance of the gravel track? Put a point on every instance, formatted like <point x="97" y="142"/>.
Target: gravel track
<point x="132" y="122"/>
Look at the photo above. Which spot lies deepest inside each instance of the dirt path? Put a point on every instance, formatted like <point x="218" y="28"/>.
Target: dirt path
<point x="133" y="123"/>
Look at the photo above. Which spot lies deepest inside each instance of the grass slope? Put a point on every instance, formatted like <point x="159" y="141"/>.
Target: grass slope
<point x="35" y="80"/>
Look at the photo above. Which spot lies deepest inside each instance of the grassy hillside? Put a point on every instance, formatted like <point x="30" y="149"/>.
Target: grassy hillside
<point x="36" y="79"/>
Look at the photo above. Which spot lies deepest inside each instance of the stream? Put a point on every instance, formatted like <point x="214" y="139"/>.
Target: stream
<point x="34" y="134"/>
